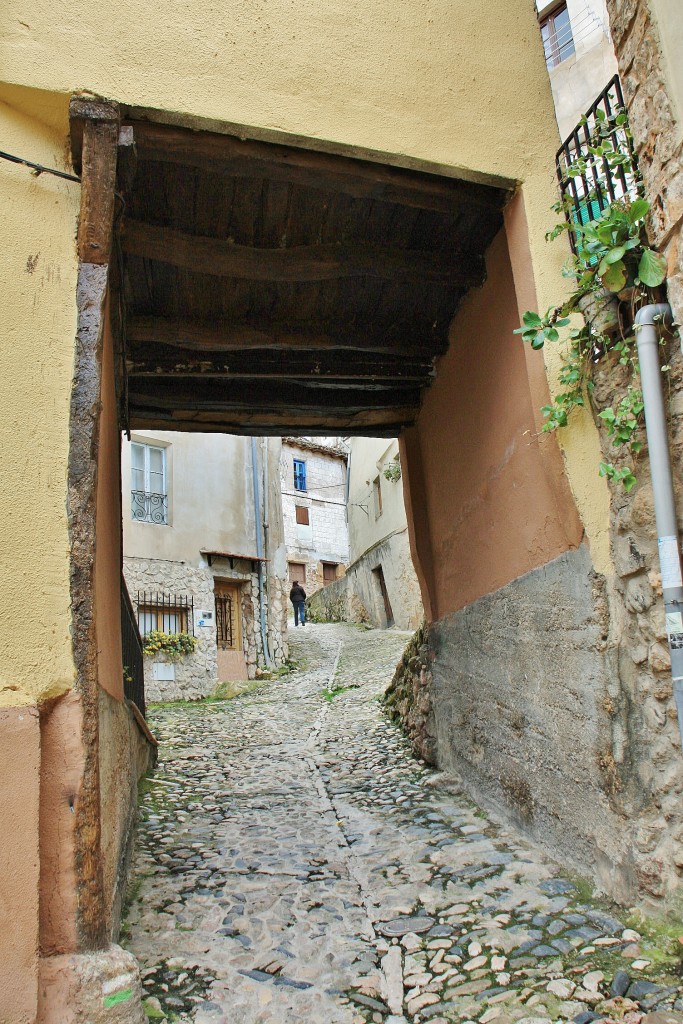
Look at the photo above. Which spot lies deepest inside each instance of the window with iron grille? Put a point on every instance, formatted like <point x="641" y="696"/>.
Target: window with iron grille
<point x="148" y="494"/>
<point x="556" y="33"/>
<point x="167" y="613"/>
<point x="299" y="475"/>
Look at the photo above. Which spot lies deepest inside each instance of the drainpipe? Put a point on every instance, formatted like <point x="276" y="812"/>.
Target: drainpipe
<point x="266" y="537"/>
<point x="648" y="321"/>
<point x="259" y="551"/>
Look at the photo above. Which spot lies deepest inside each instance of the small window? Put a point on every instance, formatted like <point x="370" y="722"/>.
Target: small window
<point x="299" y="475"/>
<point x="556" y="33"/>
<point x="377" y="491"/>
<point x="302" y="515"/>
<point x="329" y="571"/>
<point x="148" y="494"/>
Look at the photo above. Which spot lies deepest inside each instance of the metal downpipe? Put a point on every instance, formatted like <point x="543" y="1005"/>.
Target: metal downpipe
<point x="259" y="551"/>
<point x="649" y="320"/>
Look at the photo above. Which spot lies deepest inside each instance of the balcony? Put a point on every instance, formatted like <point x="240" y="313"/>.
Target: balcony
<point x="149" y="508"/>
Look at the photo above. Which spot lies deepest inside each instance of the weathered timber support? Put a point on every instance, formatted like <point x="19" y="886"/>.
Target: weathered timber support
<point x="98" y="175"/>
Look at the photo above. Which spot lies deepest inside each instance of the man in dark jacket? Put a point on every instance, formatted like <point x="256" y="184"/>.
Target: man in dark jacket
<point x="297" y="596"/>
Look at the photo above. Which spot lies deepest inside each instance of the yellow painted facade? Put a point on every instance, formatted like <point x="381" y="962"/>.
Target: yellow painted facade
<point x="38" y="285"/>
<point x="443" y="85"/>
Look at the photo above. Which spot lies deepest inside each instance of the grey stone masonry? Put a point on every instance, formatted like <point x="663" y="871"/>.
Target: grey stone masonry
<point x="195" y="675"/>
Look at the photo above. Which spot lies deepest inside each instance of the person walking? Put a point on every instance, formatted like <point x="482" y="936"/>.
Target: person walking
<point x="297" y="596"/>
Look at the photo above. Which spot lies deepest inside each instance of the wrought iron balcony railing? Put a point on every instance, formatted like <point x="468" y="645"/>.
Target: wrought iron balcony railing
<point x="149" y="508"/>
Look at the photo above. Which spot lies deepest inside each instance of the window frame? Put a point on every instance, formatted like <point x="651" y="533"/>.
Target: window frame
<point x="301" y="510"/>
<point x="147" y="447"/>
<point x="300" y="482"/>
<point x="553" y="51"/>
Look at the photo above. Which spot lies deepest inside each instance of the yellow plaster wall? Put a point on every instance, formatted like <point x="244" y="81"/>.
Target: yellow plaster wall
<point x="37" y="330"/>
<point x="448" y="84"/>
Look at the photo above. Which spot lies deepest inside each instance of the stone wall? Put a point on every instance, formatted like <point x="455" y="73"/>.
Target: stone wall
<point x="408" y="698"/>
<point x="196" y="674"/>
<point x="357" y="598"/>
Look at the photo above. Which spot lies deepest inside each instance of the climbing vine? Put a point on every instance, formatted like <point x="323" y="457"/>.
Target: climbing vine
<point x="611" y="263"/>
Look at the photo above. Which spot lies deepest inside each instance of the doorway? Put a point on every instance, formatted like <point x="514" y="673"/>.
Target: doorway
<point x="386" y="614"/>
<point x="231" y="663"/>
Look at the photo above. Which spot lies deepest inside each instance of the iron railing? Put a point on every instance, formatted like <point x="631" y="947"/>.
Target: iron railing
<point x="149" y="508"/>
<point x="589" y="183"/>
<point x="168" y="613"/>
<point x="131" y="646"/>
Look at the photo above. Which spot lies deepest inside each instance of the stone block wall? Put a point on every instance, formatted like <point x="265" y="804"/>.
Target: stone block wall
<point x="196" y="674"/>
<point x="657" y="136"/>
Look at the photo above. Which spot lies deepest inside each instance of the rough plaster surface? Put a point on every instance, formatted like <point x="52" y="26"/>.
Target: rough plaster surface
<point x="19" y="863"/>
<point x="91" y="988"/>
<point x="38" y="284"/>
<point x="520" y="687"/>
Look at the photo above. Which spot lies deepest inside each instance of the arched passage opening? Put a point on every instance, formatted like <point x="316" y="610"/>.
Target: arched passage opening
<point x="257" y="289"/>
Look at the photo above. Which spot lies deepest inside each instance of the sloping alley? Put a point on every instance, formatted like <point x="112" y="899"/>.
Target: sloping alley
<point x="296" y="863"/>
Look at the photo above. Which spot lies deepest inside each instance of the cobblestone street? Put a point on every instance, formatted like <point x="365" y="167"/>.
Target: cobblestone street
<point x="296" y="864"/>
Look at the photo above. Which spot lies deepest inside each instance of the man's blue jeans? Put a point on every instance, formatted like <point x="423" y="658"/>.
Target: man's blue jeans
<point x="299" y="613"/>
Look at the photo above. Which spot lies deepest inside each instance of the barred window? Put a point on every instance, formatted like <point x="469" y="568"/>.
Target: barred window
<point x="167" y="613"/>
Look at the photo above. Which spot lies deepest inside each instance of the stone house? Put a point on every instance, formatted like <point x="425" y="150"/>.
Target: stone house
<point x="380" y="586"/>
<point x="313" y="488"/>
<point x="192" y="559"/>
<point x="331" y="228"/>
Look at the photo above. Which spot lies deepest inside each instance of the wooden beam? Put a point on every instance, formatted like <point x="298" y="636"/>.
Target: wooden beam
<point x="372" y="423"/>
<point x="213" y="336"/>
<point x="149" y="360"/>
<point x="322" y="385"/>
<point x="81" y="110"/>
<point x="98" y="186"/>
<point x="217" y="396"/>
<point x="362" y="179"/>
<point x="222" y="258"/>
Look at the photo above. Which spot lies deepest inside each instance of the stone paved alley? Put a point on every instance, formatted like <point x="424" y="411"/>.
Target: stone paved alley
<point x="296" y="864"/>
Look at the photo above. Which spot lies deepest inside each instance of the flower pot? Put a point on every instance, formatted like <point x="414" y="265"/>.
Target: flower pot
<point x="601" y="310"/>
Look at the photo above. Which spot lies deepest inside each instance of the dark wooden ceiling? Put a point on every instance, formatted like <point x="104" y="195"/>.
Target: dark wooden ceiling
<point x="273" y="290"/>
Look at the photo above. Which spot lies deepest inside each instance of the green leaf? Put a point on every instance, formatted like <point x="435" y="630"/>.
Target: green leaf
<point x="538" y="342"/>
<point x="652" y="268"/>
<point x="614" y="255"/>
<point x="638" y="210"/>
<point x="532" y="319"/>
<point x="614" y="277"/>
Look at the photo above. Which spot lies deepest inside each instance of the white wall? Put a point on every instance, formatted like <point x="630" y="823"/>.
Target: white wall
<point x="211" y="503"/>
<point x="326" y="537"/>
<point x="369" y="457"/>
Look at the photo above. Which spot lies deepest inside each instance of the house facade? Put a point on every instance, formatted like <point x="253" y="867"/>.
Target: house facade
<point x="204" y="552"/>
<point x="313" y="481"/>
<point x="579" y="55"/>
<point x="380" y="586"/>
